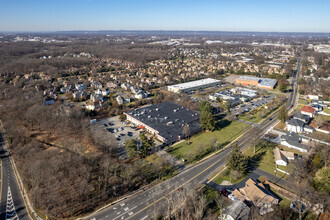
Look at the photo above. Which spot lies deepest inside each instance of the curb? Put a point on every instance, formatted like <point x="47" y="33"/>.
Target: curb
<point x="19" y="181"/>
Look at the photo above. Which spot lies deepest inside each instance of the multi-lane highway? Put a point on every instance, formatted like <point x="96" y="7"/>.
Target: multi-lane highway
<point x="142" y="205"/>
<point x="11" y="202"/>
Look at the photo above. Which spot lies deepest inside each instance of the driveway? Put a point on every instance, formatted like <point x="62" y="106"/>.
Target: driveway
<point x="254" y="175"/>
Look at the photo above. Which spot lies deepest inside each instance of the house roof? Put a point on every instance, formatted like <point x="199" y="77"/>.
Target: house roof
<point x="237" y="210"/>
<point x="295" y="122"/>
<point x="282" y="155"/>
<point x="254" y="192"/>
<point x="300" y="116"/>
<point x="294" y="140"/>
<point x="279" y="156"/>
<point x="325" y="127"/>
<point x="308" y="109"/>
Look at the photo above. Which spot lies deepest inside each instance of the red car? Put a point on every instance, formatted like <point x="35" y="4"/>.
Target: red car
<point x="224" y="192"/>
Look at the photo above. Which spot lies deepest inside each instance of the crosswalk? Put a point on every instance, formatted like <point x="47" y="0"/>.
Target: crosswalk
<point x="11" y="213"/>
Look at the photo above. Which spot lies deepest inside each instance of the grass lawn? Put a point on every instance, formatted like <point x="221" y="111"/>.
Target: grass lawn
<point x="277" y="91"/>
<point x="289" y="168"/>
<point x="280" y="126"/>
<point x="253" y="118"/>
<point x="299" y="106"/>
<point x="265" y="159"/>
<point x="302" y="101"/>
<point x="225" y="175"/>
<point x="326" y="110"/>
<point x="199" y="143"/>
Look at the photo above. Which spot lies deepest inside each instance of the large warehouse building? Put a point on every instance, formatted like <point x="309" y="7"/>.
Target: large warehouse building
<point x="193" y="85"/>
<point x="165" y="120"/>
<point x="263" y="83"/>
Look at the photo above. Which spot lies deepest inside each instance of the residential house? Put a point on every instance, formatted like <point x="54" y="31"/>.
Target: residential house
<point x="257" y="195"/>
<point x="96" y="85"/>
<point x="313" y="97"/>
<point x="141" y="95"/>
<point x="308" y="110"/>
<point x="96" y="97"/>
<point x="236" y="210"/>
<point x="103" y="92"/>
<point x="125" y="86"/>
<point x="79" y="95"/>
<point x="92" y="106"/>
<point x="294" y="141"/>
<point x="282" y="157"/>
<point x="80" y="87"/>
<point x="295" y="125"/>
<point x="325" y="128"/>
<point x="112" y="85"/>
<point x="65" y="89"/>
<point x="123" y="98"/>
<point x="301" y="117"/>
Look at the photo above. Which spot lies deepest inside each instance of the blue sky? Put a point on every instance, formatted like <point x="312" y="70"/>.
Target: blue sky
<point x="211" y="15"/>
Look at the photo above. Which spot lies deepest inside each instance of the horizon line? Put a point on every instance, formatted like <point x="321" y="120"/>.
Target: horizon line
<point x="157" y="30"/>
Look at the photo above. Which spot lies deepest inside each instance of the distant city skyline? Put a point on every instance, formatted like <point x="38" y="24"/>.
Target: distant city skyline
<point x="192" y="15"/>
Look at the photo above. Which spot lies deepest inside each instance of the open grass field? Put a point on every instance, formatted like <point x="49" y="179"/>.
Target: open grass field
<point x="199" y="143"/>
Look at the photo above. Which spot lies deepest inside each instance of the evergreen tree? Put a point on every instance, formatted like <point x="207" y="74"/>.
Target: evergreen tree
<point x="237" y="161"/>
<point x="131" y="147"/>
<point x="283" y="114"/>
<point x="147" y="145"/>
<point x="207" y="119"/>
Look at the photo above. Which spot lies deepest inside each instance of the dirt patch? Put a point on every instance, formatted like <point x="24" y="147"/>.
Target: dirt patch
<point x="226" y="183"/>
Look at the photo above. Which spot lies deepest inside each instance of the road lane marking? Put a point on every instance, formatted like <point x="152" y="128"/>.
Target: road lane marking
<point x="194" y="177"/>
<point x="10" y="207"/>
<point x="130" y="211"/>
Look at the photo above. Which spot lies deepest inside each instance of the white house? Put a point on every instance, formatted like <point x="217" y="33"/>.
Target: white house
<point x="313" y="97"/>
<point x="295" y="125"/>
<point x="308" y="110"/>
<point x="282" y="157"/>
<point x="96" y="97"/>
<point x="292" y="140"/>
<point x="80" y="87"/>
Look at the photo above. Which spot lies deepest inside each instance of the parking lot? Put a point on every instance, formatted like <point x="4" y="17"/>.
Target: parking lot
<point x="111" y="130"/>
<point x="121" y="131"/>
<point x="248" y="106"/>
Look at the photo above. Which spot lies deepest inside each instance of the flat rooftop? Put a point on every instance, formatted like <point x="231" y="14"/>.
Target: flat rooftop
<point x="249" y="78"/>
<point x="167" y="118"/>
<point x="197" y="83"/>
<point x="262" y="81"/>
<point x="267" y="82"/>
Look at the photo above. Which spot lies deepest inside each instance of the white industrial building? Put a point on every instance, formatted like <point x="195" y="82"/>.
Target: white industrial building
<point x="243" y="91"/>
<point x="193" y="85"/>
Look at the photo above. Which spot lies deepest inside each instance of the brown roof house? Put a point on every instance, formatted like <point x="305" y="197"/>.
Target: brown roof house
<point x="282" y="157"/>
<point x="256" y="194"/>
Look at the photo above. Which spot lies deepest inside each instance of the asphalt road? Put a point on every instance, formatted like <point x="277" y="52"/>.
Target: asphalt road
<point x="143" y="204"/>
<point x="11" y="202"/>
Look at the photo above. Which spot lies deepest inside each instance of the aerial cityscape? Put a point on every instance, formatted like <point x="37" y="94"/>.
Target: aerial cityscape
<point x="164" y="110"/>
